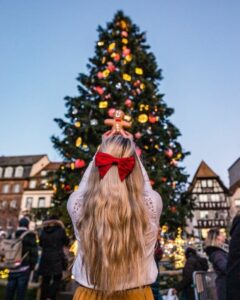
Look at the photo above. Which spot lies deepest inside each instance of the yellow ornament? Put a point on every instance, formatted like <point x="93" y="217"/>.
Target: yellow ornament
<point x="128" y="57"/>
<point x="138" y="71"/>
<point x="164" y="228"/>
<point x="111" y="46"/>
<point x="146" y="147"/>
<point x="127" y="118"/>
<point x="100" y="43"/>
<point x="75" y="188"/>
<point x="84" y="146"/>
<point x="123" y="24"/>
<point x="103" y="60"/>
<point x="72" y="166"/>
<point x="103" y="104"/>
<point x="178" y="156"/>
<point x="127" y="77"/>
<point x="142" y="86"/>
<point x="156" y="146"/>
<point x="125" y="41"/>
<point x="62" y="167"/>
<point x="78" y="141"/>
<point x="77" y="124"/>
<point x="106" y="73"/>
<point x="142" y="118"/>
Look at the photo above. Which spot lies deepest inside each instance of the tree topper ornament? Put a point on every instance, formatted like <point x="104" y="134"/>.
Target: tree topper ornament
<point x="118" y="122"/>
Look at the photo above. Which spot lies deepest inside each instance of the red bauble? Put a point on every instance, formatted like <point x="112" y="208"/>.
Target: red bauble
<point x="111" y="112"/>
<point x="117" y="57"/>
<point x="138" y="151"/>
<point x="99" y="90"/>
<point x="152" y="182"/>
<point x="152" y="119"/>
<point x="128" y="103"/>
<point x="67" y="187"/>
<point x="79" y="163"/>
<point x="137" y="83"/>
<point x="138" y="135"/>
<point x="164" y="179"/>
<point x="107" y="97"/>
<point x="124" y="33"/>
<point x="126" y="51"/>
<point x="169" y="153"/>
<point x="173" y="209"/>
<point x="100" y="75"/>
<point x="111" y="67"/>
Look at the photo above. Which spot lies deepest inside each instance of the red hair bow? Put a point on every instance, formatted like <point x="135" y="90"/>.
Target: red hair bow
<point x="104" y="162"/>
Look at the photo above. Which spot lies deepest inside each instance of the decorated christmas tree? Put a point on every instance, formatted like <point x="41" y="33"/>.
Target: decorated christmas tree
<point x="124" y="75"/>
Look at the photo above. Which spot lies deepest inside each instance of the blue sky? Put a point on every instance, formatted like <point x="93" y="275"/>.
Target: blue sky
<point x="45" y="44"/>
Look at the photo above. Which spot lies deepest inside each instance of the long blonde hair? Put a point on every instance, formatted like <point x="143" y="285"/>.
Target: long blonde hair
<point x="113" y="222"/>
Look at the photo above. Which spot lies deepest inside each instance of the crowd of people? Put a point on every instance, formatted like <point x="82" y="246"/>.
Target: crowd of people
<point x="115" y="214"/>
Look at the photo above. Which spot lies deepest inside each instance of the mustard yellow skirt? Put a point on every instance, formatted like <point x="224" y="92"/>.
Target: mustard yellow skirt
<point x="144" y="293"/>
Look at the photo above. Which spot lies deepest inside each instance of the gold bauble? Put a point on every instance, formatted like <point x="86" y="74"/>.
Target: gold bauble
<point x="142" y="118"/>
<point x="106" y="73"/>
<point x="77" y="124"/>
<point x="123" y="24"/>
<point x="111" y="46"/>
<point x="78" y="142"/>
<point x="75" y="188"/>
<point x="103" y="60"/>
<point x="125" y="41"/>
<point x="128" y="57"/>
<point x="72" y="166"/>
<point x="138" y="71"/>
<point x="127" y="77"/>
<point x="142" y="86"/>
<point x="103" y="104"/>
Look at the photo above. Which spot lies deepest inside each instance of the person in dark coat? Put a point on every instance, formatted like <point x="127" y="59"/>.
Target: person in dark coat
<point x="218" y="256"/>
<point x="233" y="265"/>
<point x="52" y="263"/>
<point x="19" y="277"/>
<point x="194" y="262"/>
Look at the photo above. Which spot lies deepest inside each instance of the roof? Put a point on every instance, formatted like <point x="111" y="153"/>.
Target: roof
<point x="204" y="171"/>
<point x="53" y="166"/>
<point x="20" y="160"/>
<point x="234" y="187"/>
<point x="232" y="165"/>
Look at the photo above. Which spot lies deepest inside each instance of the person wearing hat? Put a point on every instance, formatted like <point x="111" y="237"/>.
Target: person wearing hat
<point x="19" y="277"/>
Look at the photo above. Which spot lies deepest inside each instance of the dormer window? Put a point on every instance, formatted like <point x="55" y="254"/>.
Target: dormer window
<point x="19" y="171"/>
<point x="8" y="172"/>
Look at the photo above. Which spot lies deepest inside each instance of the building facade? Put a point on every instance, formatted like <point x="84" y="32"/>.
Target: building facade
<point x="23" y="185"/>
<point x="234" y="181"/>
<point x="211" y="202"/>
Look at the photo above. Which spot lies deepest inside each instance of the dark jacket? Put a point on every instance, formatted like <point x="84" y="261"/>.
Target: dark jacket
<point x="194" y="263"/>
<point x="30" y="247"/>
<point x="218" y="257"/>
<point x="52" y="240"/>
<point x="233" y="265"/>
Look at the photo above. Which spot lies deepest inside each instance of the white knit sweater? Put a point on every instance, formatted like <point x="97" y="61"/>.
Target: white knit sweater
<point x="154" y="206"/>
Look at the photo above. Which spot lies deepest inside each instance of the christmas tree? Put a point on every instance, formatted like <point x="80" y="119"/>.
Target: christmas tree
<point x="124" y="75"/>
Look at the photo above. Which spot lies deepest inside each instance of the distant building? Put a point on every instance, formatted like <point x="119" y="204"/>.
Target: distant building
<point x="234" y="180"/>
<point x="23" y="184"/>
<point x="211" y="200"/>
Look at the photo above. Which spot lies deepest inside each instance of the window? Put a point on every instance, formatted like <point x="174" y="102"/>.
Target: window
<point x="13" y="204"/>
<point x="16" y="188"/>
<point x="41" y="202"/>
<point x="28" y="203"/>
<point x="8" y="172"/>
<point x="204" y="183"/>
<point x="32" y="184"/>
<point x="4" y="204"/>
<point x="19" y="171"/>
<point x="1" y="172"/>
<point x="5" y="188"/>
<point x="210" y="183"/>
<point x="43" y="173"/>
<point x="203" y="214"/>
<point x="203" y="198"/>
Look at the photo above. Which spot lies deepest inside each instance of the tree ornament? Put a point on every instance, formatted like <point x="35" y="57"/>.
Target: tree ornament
<point x="125" y="41"/>
<point x="99" y="90"/>
<point x="111" y="112"/>
<point x="77" y="124"/>
<point x="67" y="187"/>
<point x="78" y="142"/>
<point x="103" y="60"/>
<point x="124" y="34"/>
<point x="72" y="166"/>
<point x="173" y="209"/>
<point x="100" y="75"/>
<point x="138" y="91"/>
<point x="137" y="83"/>
<point x="138" y="135"/>
<point x="146" y="147"/>
<point x="123" y="25"/>
<point x="79" y="163"/>
<point x="128" y="57"/>
<point x="152" y="182"/>
<point x="126" y="77"/>
<point x="107" y="97"/>
<point x="75" y="188"/>
<point x="118" y="86"/>
<point x="94" y="122"/>
<point x="126" y="51"/>
<point x="142" y="86"/>
<point x="178" y="156"/>
<point x="173" y="162"/>
<point x="152" y="119"/>
<point x="164" y="179"/>
<point x="117" y="122"/>
<point x="111" y="47"/>
<point x="100" y="43"/>
<point x="142" y="118"/>
<point x="149" y="130"/>
<point x="116" y="56"/>
<point x="74" y="111"/>
<point x="106" y="73"/>
<point x="128" y="103"/>
<point x="85" y="148"/>
<point x="169" y="152"/>
<point x="138" y="151"/>
<point x="127" y="118"/>
<point x="111" y="67"/>
<point x="139" y="71"/>
<point x="103" y="104"/>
